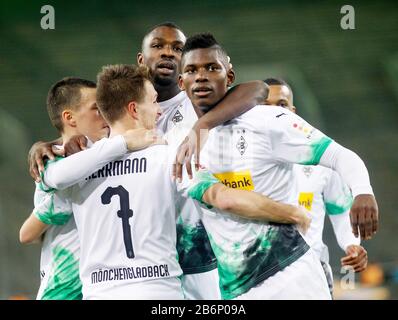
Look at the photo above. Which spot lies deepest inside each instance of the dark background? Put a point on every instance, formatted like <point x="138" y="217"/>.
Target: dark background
<point x="345" y="82"/>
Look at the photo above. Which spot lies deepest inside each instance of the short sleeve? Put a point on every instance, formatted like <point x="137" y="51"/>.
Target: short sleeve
<point x="52" y="207"/>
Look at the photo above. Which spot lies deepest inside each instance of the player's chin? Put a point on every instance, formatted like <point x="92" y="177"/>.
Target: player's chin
<point x="203" y="102"/>
<point x="166" y="79"/>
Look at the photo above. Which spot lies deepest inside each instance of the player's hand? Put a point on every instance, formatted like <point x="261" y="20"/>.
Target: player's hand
<point x="364" y="216"/>
<point x="75" y="144"/>
<point x="356" y="257"/>
<point x="189" y="148"/>
<point x="37" y="155"/>
<point x="137" y="139"/>
<point x="303" y="219"/>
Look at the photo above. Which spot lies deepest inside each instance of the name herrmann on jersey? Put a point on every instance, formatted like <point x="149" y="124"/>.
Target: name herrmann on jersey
<point x="121" y="167"/>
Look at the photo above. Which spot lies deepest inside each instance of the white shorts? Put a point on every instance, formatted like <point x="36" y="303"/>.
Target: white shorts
<point x="304" y="279"/>
<point x="159" y="289"/>
<point x="201" y="286"/>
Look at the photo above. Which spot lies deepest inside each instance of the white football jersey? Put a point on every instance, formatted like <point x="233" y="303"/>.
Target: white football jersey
<point x="256" y="152"/>
<point x="321" y="191"/>
<point x="177" y="112"/>
<point x="125" y="215"/>
<point x="193" y="245"/>
<point x="60" y="251"/>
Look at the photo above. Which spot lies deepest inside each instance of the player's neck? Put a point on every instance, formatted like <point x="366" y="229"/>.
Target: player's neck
<point x="122" y="125"/>
<point x="199" y="111"/>
<point x="166" y="92"/>
<point x="69" y="133"/>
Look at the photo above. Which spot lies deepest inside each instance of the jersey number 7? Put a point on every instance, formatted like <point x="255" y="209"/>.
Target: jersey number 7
<point x="125" y="213"/>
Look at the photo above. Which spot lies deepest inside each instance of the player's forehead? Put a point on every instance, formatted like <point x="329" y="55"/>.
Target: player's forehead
<point x="87" y="94"/>
<point x="201" y="57"/>
<point x="165" y="34"/>
<point x="281" y="91"/>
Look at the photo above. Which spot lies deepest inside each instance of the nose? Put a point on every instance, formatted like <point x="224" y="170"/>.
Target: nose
<point x="168" y="52"/>
<point x="201" y="75"/>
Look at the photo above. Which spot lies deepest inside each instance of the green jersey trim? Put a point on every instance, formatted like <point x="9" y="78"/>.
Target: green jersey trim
<point x="270" y="272"/>
<point x="51" y="217"/>
<point x="204" y="181"/>
<point x="334" y="209"/>
<point x="271" y="252"/>
<point x="318" y="149"/>
<point x="41" y="184"/>
<point x="195" y="254"/>
<point x="64" y="283"/>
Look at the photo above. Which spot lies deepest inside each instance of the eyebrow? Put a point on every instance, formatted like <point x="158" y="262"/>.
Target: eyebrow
<point x="208" y="64"/>
<point x="163" y="40"/>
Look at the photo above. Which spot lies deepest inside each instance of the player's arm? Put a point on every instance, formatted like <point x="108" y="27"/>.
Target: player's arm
<point x="296" y="141"/>
<point x="355" y="255"/>
<point x="252" y="205"/>
<point x="63" y="174"/>
<point x="247" y="204"/>
<point x="51" y="208"/>
<point x="38" y="153"/>
<point x="138" y="139"/>
<point x="338" y="200"/>
<point x="364" y="213"/>
<point x="238" y="100"/>
<point x="31" y="230"/>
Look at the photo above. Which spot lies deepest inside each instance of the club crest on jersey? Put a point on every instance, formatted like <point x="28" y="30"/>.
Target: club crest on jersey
<point x="241" y="144"/>
<point x="177" y="117"/>
<point x="307" y="171"/>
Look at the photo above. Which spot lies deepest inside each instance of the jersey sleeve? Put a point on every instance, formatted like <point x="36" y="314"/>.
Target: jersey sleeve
<point x="52" y="207"/>
<point x="63" y="174"/>
<point x="350" y="167"/>
<point x="196" y="187"/>
<point x="338" y="200"/>
<point x="294" y="140"/>
<point x="337" y="195"/>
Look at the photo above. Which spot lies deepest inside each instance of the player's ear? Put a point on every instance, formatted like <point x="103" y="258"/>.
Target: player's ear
<point x="68" y="118"/>
<point x="140" y="58"/>
<point x="181" y="83"/>
<point x="132" y="109"/>
<point x="230" y="76"/>
<point x="293" y="109"/>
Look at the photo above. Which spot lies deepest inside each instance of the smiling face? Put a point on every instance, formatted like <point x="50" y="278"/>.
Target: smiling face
<point x="205" y="77"/>
<point x="161" y="52"/>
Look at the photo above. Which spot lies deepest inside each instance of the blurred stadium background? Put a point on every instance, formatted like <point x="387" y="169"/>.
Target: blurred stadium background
<point x="345" y="82"/>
